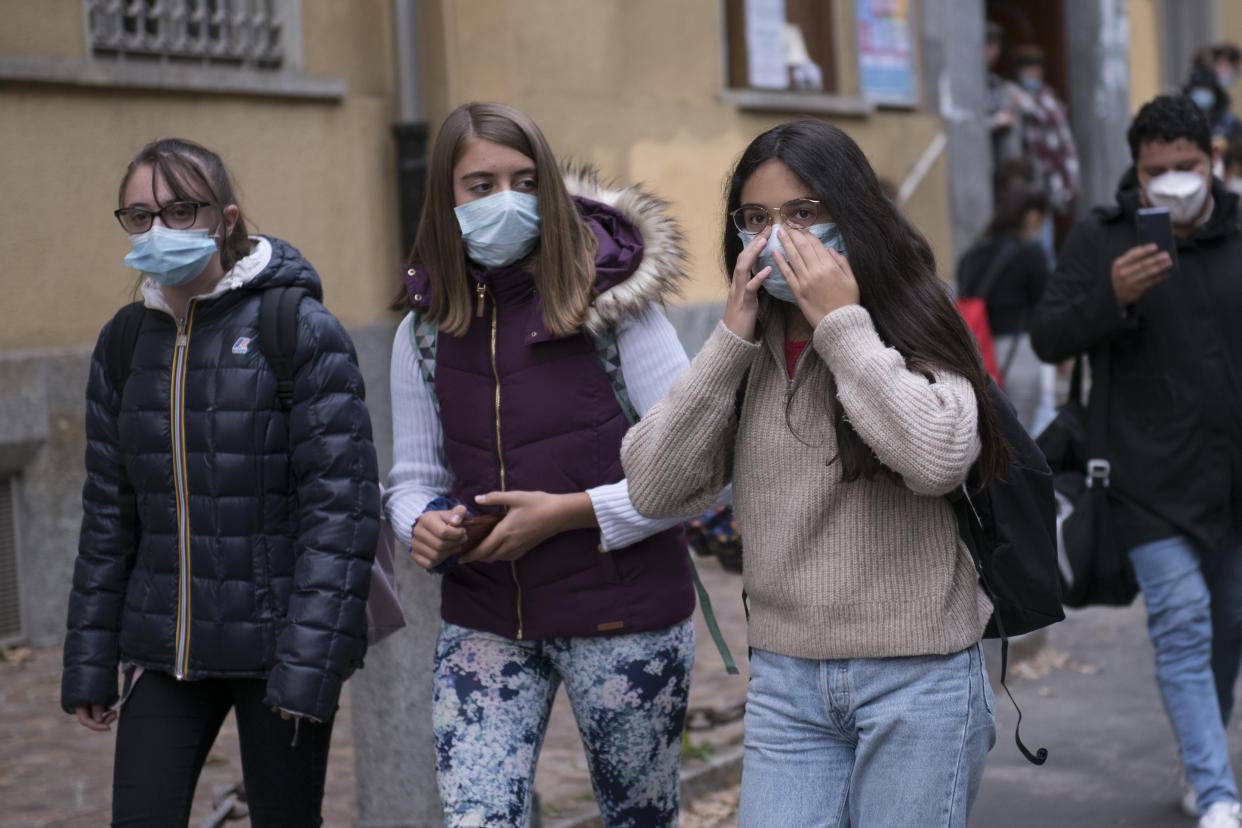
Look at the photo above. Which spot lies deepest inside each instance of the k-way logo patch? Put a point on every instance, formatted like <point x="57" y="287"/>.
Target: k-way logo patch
<point x="242" y="345"/>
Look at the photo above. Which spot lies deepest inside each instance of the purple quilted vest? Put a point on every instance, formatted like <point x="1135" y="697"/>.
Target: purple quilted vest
<point x="523" y="410"/>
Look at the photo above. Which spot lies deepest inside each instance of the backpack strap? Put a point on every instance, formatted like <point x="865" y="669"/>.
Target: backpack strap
<point x="609" y="356"/>
<point x="122" y="342"/>
<point x="278" y="335"/>
<point x="423" y="338"/>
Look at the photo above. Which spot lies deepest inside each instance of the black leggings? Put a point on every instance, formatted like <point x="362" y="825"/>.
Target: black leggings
<point x="166" y="728"/>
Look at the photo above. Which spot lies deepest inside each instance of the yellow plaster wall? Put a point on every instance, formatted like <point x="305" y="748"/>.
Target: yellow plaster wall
<point x="633" y="86"/>
<point x="1229" y="27"/>
<point x="1144" y="52"/>
<point x="319" y="174"/>
<point x="49" y="28"/>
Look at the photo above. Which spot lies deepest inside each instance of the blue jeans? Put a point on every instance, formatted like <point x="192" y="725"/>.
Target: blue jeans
<point x="492" y="698"/>
<point x="865" y="742"/>
<point x="1194" y="618"/>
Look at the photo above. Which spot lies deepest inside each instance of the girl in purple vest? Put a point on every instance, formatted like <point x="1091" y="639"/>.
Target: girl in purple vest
<point x="526" y="285"/>
<point x="865" y="403"/>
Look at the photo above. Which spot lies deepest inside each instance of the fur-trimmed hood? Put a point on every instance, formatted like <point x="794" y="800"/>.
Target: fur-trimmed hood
<point x="660" y="274"/>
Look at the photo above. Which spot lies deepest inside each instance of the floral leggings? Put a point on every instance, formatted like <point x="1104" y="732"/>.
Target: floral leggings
<point x="492" y="699"/>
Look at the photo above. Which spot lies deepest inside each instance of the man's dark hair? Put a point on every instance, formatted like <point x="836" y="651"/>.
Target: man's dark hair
<point x="1226" y="51"/>
<point x="1166" y="118"/>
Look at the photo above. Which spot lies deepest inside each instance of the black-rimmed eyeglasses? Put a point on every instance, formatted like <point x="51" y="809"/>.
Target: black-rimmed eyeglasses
<point x="179" y="215"/>
<point x="800" y="213"/>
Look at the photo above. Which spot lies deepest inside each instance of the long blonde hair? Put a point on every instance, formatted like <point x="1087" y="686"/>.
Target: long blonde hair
<point x="564" y="260"/>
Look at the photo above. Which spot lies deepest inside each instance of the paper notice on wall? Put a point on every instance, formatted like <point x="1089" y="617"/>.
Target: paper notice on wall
<point x="885" y="52"/>
<point x="765" y="47"/>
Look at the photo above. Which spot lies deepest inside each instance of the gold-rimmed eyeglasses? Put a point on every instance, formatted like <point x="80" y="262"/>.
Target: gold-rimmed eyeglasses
<point x="799" y="213"/>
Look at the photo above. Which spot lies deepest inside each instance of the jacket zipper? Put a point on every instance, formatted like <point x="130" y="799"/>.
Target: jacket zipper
<point x="500" y="457"/>
<point x="180" y="488"/>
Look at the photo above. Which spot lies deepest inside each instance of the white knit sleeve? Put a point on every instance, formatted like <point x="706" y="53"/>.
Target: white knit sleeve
<point x="419" y="471"/>
<point x="651" y="357"/>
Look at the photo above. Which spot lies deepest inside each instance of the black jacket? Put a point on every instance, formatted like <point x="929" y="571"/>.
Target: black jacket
<point x="221" y="535"/>
<point x="1175" y="430"/>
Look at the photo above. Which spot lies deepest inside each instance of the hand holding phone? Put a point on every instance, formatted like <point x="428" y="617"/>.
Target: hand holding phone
<point x="477" y="528"/>
<point x="1155" y="227"/>
<point x="1148" y="263"/>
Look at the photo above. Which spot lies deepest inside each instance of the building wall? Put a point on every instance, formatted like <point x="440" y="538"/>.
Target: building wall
<point x="1145" y="58"/>
<point x="319" y="173"/>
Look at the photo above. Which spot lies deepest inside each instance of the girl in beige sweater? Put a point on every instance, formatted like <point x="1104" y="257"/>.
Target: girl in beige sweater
<point x="864" y="402"/>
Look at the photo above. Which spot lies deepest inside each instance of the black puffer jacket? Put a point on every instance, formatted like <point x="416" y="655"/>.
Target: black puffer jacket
<point x="221" y="535"/>
<point x="1175" y="368"/>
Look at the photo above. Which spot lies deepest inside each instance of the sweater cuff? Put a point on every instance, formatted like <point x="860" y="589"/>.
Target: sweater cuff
<point x="845" y="337"/>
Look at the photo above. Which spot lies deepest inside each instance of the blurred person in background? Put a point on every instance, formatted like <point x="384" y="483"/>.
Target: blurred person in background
<point x="1007" y="268"/>
<point x="1045" y="139"/>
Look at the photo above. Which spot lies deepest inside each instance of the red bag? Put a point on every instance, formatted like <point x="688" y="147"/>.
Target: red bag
<point x="974" y="310"/>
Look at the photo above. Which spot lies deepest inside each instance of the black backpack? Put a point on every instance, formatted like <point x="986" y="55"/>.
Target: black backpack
<point x="278" y="338"/>
<point x="1010" y="527"/>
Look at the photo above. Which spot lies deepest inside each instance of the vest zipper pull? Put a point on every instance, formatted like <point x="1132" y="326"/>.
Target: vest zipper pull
<point x="480" y="290"/>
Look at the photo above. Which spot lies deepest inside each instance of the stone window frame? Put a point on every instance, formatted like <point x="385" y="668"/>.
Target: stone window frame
<point x="111" y="62"/>
<point x="830" y="102"/>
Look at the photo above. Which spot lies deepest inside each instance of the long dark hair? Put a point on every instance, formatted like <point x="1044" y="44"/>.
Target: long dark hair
<point x="195" y="173"/>
<point x="895" y="269"/>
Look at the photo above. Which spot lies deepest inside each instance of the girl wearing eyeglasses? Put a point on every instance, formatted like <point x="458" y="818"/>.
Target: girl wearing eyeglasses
<point x="226" y="540"/>
<point x="528" y="286"/>
<point x="863" y="403"/>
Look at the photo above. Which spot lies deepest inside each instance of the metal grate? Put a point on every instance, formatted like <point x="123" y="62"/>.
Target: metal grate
<point x="243" y="33"/>
<point x="10" y="608"/>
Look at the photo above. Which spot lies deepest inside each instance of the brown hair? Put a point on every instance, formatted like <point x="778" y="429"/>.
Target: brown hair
<point x="194" y="173"/>
<point x="564" y="266"/>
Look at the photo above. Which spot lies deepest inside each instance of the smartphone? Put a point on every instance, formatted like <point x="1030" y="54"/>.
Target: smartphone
<point x="1155" y="227"/>
<point x="477" y="528"/>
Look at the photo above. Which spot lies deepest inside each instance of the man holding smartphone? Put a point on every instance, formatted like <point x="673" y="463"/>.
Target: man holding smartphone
<point x="1171" y="349"/>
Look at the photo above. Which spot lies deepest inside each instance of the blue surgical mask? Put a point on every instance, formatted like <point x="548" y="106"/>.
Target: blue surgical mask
<point x="775" y="283"/>
<point x="171" y="257"/>
<point x="1203" y="97"/>
<point x="1030" y="84"/>
<point x="500" y="229"/>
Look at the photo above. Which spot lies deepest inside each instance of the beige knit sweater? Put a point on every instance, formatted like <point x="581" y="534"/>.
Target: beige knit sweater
<point x="870" y="568"/>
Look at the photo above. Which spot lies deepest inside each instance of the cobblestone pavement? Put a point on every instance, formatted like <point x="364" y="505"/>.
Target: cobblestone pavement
<point x="54" y="772"/>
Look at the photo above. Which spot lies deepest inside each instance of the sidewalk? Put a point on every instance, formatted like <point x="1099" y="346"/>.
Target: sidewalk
<point x="53" y="772"/>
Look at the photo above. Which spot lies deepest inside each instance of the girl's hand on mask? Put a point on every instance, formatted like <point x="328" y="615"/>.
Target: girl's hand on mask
<point x="742" y="303"/>
<point x="820" y="277"/>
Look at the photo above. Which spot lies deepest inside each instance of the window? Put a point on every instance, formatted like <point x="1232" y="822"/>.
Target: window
<point x="242" y="33"/>
<point x="781" y="45"/>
